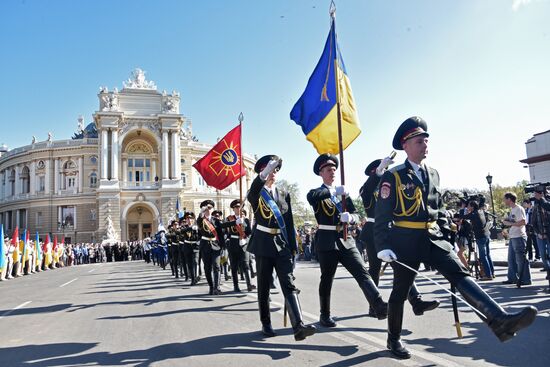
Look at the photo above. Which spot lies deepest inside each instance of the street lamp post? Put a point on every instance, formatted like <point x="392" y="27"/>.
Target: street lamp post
<point x="489" y="179"/>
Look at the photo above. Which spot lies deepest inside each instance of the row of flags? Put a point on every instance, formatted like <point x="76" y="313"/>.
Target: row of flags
<point x="326" y="103"/>
<point x="21" y="244"/>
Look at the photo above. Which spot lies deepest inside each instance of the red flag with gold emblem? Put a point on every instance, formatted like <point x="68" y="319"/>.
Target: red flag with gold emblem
<point x="221" y="166"/>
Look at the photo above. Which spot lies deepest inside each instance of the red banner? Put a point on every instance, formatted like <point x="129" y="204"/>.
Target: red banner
<point x="221" y="166"/>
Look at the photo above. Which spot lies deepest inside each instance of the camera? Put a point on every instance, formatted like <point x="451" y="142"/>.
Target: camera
<point x="538" y="187"/>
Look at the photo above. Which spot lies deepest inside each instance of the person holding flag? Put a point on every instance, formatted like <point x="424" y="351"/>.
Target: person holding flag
<point x="3" y="254"/>
<point x="238" y="237"/>
<point x="38" y="262"/>
<point x="273" y="242"/>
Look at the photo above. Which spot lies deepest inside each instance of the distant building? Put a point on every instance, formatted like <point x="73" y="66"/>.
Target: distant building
<point x="538" y="157"/>
<point x="131" y="164"/>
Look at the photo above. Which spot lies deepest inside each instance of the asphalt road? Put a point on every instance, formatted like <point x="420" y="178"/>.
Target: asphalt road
<point x="135" y="314"/>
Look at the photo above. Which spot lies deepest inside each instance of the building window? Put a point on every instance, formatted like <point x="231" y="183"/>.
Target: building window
<point x="139" y="171"/>
<point x="71" y="182"/>
<point x="93" y="159"/>
<point x="39" y="219"/>
<point x="93" y="214"/>
<point x="41" y="183"/>
<point x="183" y="179"/>
<point x="201" y="181"/>
<point x="67" y="219"/>
<point x="93" y="180"/>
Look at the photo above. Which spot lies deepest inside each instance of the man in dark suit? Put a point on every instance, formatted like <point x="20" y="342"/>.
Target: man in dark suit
<point x="369" y="193"/>
<point x="409" y="212"/>
<point x="331" y="248"/>
<point x="274" y="244"/>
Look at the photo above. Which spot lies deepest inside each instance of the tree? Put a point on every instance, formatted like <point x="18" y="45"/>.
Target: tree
<point x="301" y="211"/>
<point x="360" y="209"/>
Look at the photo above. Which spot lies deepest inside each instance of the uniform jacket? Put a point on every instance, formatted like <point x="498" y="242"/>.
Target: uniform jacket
<point x="204" y="231"/>
<point x="408" y="200"/>
<point x="262" y="243"/>
<point x="326" y="213"/>
<point x="234" y="243"/>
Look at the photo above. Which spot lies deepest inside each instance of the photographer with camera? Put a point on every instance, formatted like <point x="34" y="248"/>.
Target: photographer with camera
<point x="531" y="237"/>
<point x="481" y="234"/>
<point x="464" y="234"/>
<point x="540" y="220"/>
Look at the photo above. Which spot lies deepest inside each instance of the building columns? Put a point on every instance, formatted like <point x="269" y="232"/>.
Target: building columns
<point x="17" y="182"/>
<point x="56" y="176"/>
<point x="124" y="170"/>
<point x="114" y="155"/>
<point x="80" y="174"/>
<point x="32" y="178"/>
<point x="173" y="174"/>
<point x="104" y="154"/>
<point x="165" y="156"/>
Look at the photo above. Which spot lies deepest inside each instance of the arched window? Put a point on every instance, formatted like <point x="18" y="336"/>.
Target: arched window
<point x="25" y="180"/>
<point x="93" y="180"/>
<point x="70" y="174"/>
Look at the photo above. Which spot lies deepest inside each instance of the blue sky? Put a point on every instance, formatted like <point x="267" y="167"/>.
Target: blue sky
<point x="476" y="71"/>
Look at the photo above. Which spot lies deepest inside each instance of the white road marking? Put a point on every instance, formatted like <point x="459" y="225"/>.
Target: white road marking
<point x="69" y="282"/>
<point x="439" y="361"/>
<point x="16" y="308"/>
<point x="94" y="269"/>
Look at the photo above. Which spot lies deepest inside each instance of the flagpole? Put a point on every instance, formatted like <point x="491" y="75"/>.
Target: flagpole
<point x="241" y="118"/>
<point x="332" y="12"/>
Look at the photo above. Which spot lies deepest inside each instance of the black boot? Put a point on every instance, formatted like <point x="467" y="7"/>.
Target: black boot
<point x="265" y="318"/>
<point x="236" y="285"/>
<point x="503" y="324"/>
<point x="375" y="299"/>
<point x="395" y="322"/>
<point x="249" y="286"/>
<point x="325" y="319"/>
<point x="301" y="331"/>
<point x="419" y="306"/>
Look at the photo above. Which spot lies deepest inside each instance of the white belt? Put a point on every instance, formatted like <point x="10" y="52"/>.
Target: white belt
<point x="267" y="229"/>
<point x="208" y="238"/>
<point x="327" y="227"/>
<point x="191" y="242"/>
<point x="370" y="220"/>
<point x="235" y="236"/>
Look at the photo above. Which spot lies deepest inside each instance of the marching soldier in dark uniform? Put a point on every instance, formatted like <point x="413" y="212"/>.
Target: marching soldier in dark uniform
<point x="238" y="235"/>
<point x="211" y="232"/>
<point x="173" y="247"/>
<point x="274" y="244"/>
<point x="331" y="247"/>
<point x="369" y="193"/>
<point x="408" y="212"/>
<point x="182" y="261"/>
<point x="191" y="238"/>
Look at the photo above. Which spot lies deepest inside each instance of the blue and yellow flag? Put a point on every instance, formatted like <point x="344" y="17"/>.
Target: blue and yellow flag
<point x="316" y="110"/>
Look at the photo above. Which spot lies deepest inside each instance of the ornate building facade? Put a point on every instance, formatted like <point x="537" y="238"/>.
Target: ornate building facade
<point x="132" y="164"/>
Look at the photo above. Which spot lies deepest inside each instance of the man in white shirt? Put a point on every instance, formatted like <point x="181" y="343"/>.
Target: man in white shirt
<point x="519" y="271"/>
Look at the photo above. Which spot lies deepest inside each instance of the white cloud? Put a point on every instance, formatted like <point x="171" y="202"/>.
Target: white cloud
<point x="519" y="3"/>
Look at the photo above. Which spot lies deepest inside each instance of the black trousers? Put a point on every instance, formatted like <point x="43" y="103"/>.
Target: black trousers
<point x="211" y="261"/>
<point x="182" y="261"/>
<point x="237" y="260"/>
<point x="375" y="264"/>
<point x="352" y="261"/>
<point x="191" y="254"/>
<point x="446" y="262"/>
<point x="284" y="267"/>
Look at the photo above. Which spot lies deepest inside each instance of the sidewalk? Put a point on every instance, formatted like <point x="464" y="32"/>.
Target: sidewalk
<point x="499" y="254"/>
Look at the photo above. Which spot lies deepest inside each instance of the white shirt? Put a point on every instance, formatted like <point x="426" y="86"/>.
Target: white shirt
<point x="416" y="169"/>
<point x="272" y="191"/>
<point x="517" y="213"/>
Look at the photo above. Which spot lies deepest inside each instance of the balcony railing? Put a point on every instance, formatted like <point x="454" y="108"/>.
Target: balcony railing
<point x="141" y="185"/>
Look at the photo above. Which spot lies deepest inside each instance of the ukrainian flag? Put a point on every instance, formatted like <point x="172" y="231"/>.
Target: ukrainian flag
<point x="317" y="112"/>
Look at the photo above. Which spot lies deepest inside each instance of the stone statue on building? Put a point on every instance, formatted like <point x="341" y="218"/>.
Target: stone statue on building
<point x="138" y="81"/>
<point x="170" y="105"/>
<point x="33" y="140"/>
<point x="109" y="102"/>
<point x="80" y="124"/>
<point x="50" y="137"/>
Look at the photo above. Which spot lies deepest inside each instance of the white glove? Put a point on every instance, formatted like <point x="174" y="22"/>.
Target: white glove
<point x="345" y="217"/>
<point x="383" y="165"/>
<point x="340" y="190"/>
<point x="242" y="242"/>
<point x="269" y="168"/>
<point x="194" y="227"/>
<point x="239" y="220"/>
<point x="387" y="256"/>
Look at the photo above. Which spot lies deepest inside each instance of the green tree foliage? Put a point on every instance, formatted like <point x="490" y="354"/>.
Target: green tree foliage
<point x="301" y="210"/>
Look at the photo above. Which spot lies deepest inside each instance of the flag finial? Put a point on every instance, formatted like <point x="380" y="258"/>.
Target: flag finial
<point x="332" y="9"/>
<point x="241" y="117"/>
